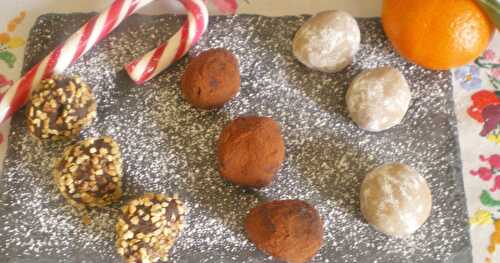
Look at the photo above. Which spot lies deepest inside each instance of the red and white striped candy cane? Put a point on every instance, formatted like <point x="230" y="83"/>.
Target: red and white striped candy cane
<point x="15" y="96"/>
<point x="155" y="61"/>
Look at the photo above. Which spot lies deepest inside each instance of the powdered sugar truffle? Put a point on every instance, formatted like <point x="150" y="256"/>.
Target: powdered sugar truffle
<point x="327" y="41"/>
<point x="378" y="99"/>
<point x="395" y="199"/>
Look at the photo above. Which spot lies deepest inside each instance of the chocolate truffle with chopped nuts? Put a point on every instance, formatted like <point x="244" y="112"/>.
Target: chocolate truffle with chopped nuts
<point x="148" y="227"/>
<point x="89" y="174"/>
<point x="60" y="108"/>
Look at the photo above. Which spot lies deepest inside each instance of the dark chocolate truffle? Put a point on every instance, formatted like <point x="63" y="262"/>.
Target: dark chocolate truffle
<point x="60" y="108"/>
<point x="251" y="151"/>
<point x="289" y="230"/>
<point x="148" y="227"/>
<point x="211" y="79"/>
<point x="89" y="174"/>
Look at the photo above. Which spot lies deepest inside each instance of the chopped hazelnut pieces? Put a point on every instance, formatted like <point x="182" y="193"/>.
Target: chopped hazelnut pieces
<point x="60" y="108"/>
<point x="147" y="228"/>
<point x="82" y="176"/>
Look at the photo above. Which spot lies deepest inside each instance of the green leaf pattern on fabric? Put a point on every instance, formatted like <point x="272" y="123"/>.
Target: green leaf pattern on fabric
<point x="8" y="57"/>
<point x="488" y="200"/>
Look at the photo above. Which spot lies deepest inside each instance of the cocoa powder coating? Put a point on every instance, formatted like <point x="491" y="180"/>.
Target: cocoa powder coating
<point x="211" y="79"/>
<point x="289" y="230"/>
<point x="250" y="151"/>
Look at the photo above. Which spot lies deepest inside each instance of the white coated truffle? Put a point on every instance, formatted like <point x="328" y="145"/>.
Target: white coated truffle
<point x="327" y="41"/>
<point x="378" y="99"/>
<point x="395" y="199"/>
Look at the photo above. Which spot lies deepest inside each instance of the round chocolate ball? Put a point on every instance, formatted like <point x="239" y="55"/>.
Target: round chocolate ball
<point x="89" y="174"/>
<point x="289" y="230"/>
<point x="395" y="199"/>
<point x="148" y="227"/>
<point x="251" y="151"/>
<point x="60" y="108"/>
<point x="211" y="79"/>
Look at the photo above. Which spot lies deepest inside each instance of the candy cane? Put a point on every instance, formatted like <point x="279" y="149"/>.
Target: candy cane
<point x="14" y="97"/>
<point x="155" y="61"/>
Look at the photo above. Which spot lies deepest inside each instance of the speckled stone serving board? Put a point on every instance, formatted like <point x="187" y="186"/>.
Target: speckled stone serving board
<point x="169" y="147"/>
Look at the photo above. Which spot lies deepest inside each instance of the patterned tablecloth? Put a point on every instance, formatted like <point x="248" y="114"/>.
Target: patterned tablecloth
<point x="476" y="94"/>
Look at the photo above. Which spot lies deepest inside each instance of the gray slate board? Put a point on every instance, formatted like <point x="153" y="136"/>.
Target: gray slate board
<point x="170" y="147"/>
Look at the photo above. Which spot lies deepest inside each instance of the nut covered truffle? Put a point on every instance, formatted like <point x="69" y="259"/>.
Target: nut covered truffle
<point x="60" y="108"/>
<point x="211" y="79"/>
<point x="289" y="230"/>
<point x="148" y="227"/>
<point x="251" y="151"/>
<point x="89" y="174"/>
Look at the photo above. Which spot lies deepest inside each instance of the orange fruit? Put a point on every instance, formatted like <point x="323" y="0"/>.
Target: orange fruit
<point x="437" y="34"/>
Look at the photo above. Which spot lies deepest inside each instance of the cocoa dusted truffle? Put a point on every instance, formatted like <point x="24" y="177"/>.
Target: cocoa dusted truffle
<point x="289" y="230"/>
<point x="60" y="108"/>
<point x="251" y="151"/>
<point x="89" y="174"/>
<point x="211" y="79"/>
<point x="148" y="227"/>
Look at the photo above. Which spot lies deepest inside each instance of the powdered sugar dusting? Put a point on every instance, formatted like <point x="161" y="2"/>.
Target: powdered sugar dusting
<point x="169" y="147"/>
<point x="394" y="189"/>
<point x="328" y="42"/>
<point x="378" y="98"/>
